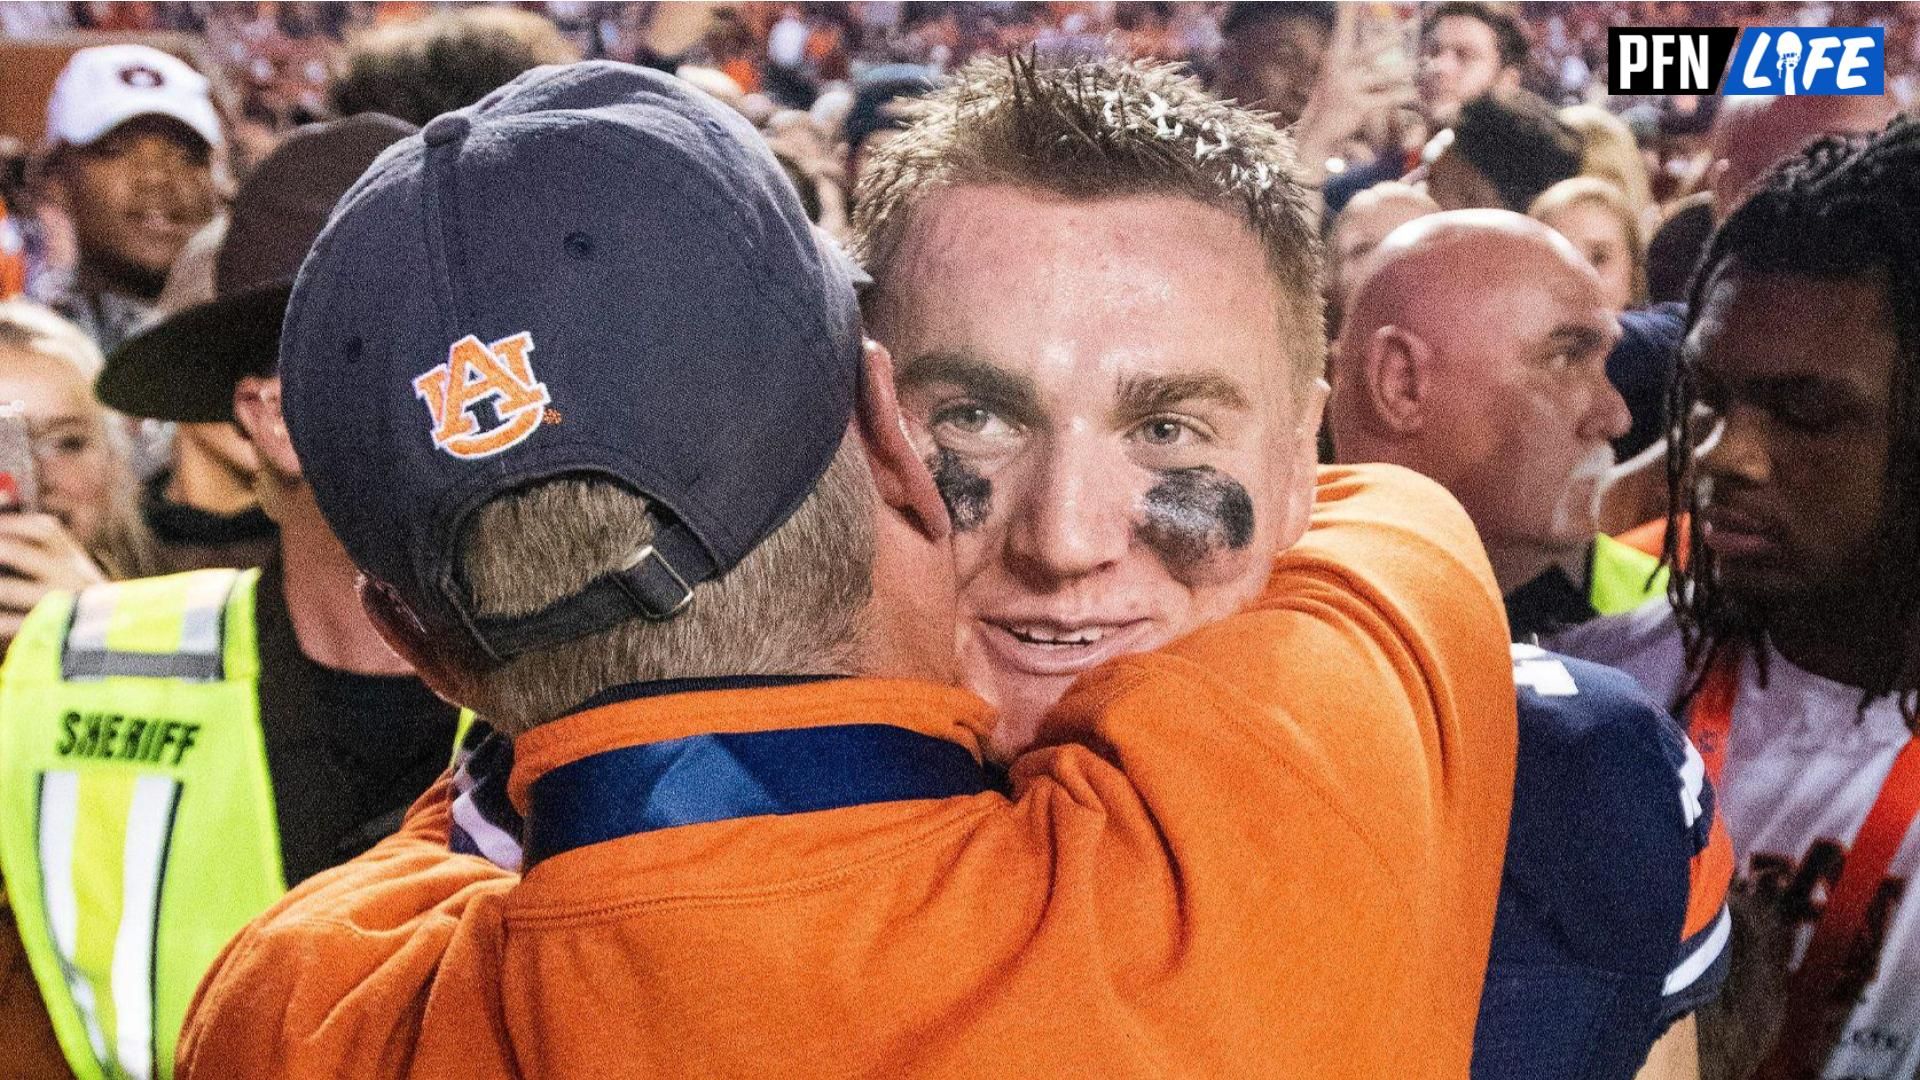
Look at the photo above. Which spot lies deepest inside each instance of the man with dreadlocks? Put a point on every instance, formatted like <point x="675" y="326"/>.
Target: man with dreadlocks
<point x="1792" y="642"/>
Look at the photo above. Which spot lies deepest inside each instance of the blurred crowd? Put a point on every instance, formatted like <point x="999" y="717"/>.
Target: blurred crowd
<point x="821" y="79"/>
<point x="192" y="151"/>
<point x="1373" y="98"/>
<point x="278" y="57"/>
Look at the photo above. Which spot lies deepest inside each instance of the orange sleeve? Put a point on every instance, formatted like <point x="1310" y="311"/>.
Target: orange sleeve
<point x="1708" y="876"/>
<point x="343" y="990"/>
<point x="1702" y="958"/>
<point x="1327" y="774"/>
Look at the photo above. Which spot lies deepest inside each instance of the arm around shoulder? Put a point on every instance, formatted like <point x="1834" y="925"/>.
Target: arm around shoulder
<point x="1330" y="769"/>
<point x="1373" y="669"/>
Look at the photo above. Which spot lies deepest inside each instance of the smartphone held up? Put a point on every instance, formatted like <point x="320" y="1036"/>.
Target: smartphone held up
<point x="19" y="479"/>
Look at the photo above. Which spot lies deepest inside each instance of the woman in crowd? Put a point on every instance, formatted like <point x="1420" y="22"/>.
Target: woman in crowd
<point x="1612" y="154"/>
<point x="86" y="527"/>
<point x="1601" y="223"/>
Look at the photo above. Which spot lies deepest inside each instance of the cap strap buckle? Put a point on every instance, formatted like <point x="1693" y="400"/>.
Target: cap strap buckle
<point x="655" y="588"/>
<point x="648" y="585"/>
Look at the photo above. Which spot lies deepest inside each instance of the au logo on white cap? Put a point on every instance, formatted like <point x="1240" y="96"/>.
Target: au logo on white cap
<point x="142" y="77"/>
<point x="485" y="398"/>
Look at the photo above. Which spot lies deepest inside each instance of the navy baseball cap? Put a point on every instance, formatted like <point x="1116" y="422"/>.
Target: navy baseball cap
<point x="595" y="270"/>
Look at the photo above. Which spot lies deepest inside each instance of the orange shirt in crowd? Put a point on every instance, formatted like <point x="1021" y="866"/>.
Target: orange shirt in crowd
<point x="745" y="71"/>
<point x="13" y="259"/>
<point x="1651" y="537"/>
<point x="1270" y="848"/>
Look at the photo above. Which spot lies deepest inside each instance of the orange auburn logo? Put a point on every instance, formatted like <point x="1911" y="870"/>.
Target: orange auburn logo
<point x="484" y="399"/>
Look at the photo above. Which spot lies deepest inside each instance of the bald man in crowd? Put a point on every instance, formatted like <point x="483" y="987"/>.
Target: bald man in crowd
<point x="1474" y="351"/>
<point x="1367" y="220"/>
<point x="1751" y="134"/>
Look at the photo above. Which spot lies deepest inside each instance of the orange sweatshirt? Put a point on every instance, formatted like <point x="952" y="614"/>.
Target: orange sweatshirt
<point x="1271" y="848"/>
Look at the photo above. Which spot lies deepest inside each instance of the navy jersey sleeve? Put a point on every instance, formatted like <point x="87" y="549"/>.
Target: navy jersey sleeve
<point x="1592" y="953"/>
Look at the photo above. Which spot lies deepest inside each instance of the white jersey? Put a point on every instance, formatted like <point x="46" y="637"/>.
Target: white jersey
<point x="1802" y="769"/>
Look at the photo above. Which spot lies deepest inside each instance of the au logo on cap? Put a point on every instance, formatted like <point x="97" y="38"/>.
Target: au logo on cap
<point x="484" y="399"/>
<point x="142" y="77"/>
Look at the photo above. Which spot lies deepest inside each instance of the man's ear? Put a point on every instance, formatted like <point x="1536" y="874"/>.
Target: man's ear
<point x="1394" y="370"/>
<point x="47" y="179"/>
<point x="401" y="630"/>
<point x="1725" y="199"/>
<point x="256" y="406"/>
<point x="899" y="475"/>
<point x="1297" y="507"/>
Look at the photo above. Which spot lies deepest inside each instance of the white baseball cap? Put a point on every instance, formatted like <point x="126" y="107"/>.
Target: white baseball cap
<point x="108" y="85"/>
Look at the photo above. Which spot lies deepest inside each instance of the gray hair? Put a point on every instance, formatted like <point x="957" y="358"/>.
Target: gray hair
<point x="794" y="605"/>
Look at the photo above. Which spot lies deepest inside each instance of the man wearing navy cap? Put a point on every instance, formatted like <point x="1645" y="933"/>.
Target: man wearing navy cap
<point x="593" y="414"/>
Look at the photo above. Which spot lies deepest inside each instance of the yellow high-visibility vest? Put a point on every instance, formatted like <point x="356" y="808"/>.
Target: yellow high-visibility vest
<point x="1623" y="577"/>
<point x="137" y="820"/>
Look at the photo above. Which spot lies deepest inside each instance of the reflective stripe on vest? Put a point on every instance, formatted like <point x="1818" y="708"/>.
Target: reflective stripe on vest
<point x="1623" y="577"/>
<point x="88" y="654"/>
<point x="132" y="769"/>
<point x="117" y="935"/>
<point x="137" y="823"/>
